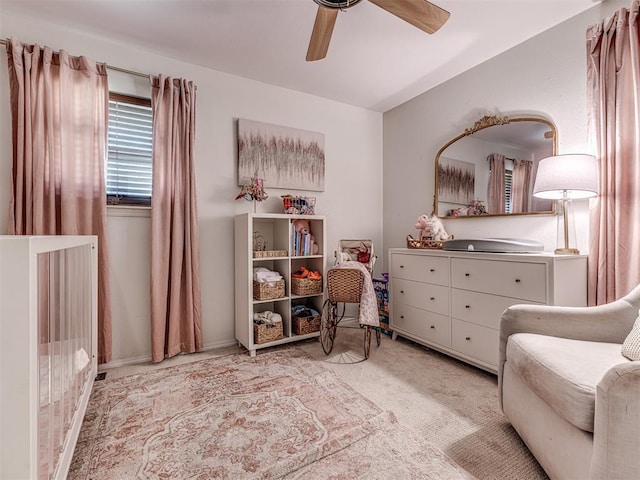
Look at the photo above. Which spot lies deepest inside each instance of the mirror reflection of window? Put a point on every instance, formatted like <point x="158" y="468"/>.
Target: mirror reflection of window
<point x="521" y="141"/>
<point x="508" y="180"/>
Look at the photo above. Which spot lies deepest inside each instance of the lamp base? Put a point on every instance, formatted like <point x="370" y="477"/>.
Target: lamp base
<point x="566" y="251"/>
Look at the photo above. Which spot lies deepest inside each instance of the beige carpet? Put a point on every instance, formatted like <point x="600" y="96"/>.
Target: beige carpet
<point x="447" y="402"/>
<point x="407" y="412"/>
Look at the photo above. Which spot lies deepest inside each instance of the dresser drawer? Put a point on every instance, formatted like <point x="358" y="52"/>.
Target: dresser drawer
<point x="420" y="268"/>
<point x="519" y="280"/>
<point x="425" y="325"/>
<point x="427" y="296"/>
<point x="480" y="308"/>
<point x="475" y="341"/>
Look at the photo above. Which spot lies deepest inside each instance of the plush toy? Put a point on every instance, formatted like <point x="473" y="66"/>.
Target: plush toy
<point x="424" y="227"/>
<point x="460" y="212"/>
<point x="301" y="225"/>
<point x="431" y="228"/>
<point x="477" y="208"/>
<point x="437" y="229"/>
<point x="361" y="252"/>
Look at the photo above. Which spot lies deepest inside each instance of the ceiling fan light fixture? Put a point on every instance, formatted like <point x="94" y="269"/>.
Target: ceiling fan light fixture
<point x="337" y="4"/>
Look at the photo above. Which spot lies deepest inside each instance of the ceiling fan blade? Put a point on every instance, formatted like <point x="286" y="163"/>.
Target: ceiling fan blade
<point x="321" y="35"/>
<point x="419" y="13"/>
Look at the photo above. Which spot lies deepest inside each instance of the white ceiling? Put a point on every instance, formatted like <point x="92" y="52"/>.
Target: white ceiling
<point x="375" y="60"/>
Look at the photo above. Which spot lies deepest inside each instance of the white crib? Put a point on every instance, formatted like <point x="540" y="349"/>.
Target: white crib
<point x="48" y="350"/>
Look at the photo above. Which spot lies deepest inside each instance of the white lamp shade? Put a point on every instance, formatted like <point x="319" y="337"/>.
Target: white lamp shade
<point x="575" y="175"/>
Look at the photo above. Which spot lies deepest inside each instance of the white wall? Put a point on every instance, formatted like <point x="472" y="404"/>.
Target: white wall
<point x="544" y="76"/>
<point x="352" y="199"/>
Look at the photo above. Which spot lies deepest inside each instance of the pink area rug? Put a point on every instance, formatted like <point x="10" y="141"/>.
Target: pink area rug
<point x="278" y="415"/>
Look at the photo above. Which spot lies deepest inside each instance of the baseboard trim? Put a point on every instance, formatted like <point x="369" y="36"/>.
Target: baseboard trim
<point x="222" y="344"/>
<point x="125" y="362"/>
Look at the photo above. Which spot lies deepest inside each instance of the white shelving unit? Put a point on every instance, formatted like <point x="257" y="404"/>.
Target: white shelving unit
<point x="276" y="230"/>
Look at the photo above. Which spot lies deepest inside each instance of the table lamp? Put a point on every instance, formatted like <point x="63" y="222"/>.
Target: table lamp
<point x="564" y="178"/>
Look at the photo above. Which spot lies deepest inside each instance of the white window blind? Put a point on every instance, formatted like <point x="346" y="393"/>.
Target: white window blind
<point x="129" y="161"/>
<point x="508" y="181"/>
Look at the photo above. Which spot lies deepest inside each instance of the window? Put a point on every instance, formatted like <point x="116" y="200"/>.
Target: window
<point x="508" y="182"/>
<point x="129" y="163"/>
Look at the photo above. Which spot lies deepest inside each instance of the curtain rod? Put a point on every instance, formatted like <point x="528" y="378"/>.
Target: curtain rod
<point x="110" y="67"/>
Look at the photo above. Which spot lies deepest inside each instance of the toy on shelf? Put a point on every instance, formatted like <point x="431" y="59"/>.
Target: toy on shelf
<point x="357" y="251"/>
<point x="304" y="243"/>
<point x="299" y="205"/>
<point x="431" y="233"/>
<point x="476" y="207"/>
<point x="423" y="225"/>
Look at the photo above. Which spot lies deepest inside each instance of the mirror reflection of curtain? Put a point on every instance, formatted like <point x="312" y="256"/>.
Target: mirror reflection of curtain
<point x="520" y="183"/>
<point x="495" y="193"/>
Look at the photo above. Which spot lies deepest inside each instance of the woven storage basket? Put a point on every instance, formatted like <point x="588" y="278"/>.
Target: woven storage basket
<point x="264" y="333"/>
<point x="429" y="244"/>
<point x="306" y="286"/>
<point x="268" y="291"/>
<point x="304" y="325"/>
<point x="345" y="285"/>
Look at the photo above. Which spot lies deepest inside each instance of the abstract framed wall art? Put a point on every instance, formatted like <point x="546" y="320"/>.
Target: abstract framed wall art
<point x="456" y="181"/>
<point x="283" y="157"/>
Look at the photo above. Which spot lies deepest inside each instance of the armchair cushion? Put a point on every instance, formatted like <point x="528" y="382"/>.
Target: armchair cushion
<point x="563" y="372"/>
<point x="631" y="344"/>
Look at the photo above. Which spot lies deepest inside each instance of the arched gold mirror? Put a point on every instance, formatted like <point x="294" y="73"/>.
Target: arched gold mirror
<point x="490" y="168"/>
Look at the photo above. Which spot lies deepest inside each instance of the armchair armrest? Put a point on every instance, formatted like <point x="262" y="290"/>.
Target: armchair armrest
<point x="616" y="444"/>
<point x="604" y="323"/>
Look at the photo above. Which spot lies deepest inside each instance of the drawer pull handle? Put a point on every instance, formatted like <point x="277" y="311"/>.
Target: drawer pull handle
<point x="432" y="298"/>
<point x="517" y="280"/>
<point x="401" y="291"/>
<point x="467" y="306"/>
<point x="433" y="326"/>
<point x="467" y="338"/>
<point x="401" y="316"/>
<point x="432" y="270"/>
<point x="467" y="274"/>
<point x="401" y="266"/>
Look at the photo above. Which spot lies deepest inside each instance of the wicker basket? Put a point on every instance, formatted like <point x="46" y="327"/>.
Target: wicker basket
<point x="304" y="325"/>
<point x="424" y="243"/>
<point x="345" y="285"/>
<point x="269" y="253"/>
<point x="306" y="286"/>
<point x="263" y="333"/>
<point x="268" y="291"/>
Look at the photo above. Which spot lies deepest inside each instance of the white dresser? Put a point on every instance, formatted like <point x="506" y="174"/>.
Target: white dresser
<point x="452" y="301"/>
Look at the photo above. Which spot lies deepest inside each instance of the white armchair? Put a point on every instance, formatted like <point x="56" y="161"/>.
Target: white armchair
<point x="568" y="391"/>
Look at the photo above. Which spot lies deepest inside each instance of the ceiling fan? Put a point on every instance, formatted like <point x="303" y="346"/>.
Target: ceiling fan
<point x="419" y="13"/>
